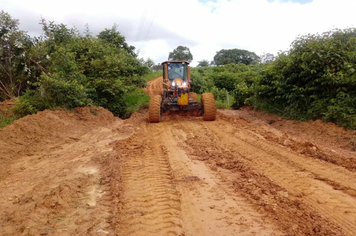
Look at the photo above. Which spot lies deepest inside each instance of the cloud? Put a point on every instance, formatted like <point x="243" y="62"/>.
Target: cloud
<point x="157" y="27"/>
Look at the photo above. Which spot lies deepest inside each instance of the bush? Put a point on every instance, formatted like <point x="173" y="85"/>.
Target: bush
<point x="135" y="101"/>
<point x="51" y="92"/>
<point x="151" y="75"/>
<point x="5" y="119"/>
<point x="316" y="79"/>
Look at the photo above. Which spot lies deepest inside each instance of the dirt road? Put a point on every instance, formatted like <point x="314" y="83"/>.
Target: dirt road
<point x="247" y="173"/>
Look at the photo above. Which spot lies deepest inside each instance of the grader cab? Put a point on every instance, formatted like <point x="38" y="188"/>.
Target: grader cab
<point x="176" y="94"/>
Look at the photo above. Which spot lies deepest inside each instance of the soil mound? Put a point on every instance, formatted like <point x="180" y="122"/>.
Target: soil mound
<point x="314" y="131"/>
<point x="29" y="134"/>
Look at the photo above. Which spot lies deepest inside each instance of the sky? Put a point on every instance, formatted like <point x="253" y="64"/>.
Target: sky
<point x="157" y="27"/>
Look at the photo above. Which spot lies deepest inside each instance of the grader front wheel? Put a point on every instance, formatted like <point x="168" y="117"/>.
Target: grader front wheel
<point x="154" y="109"/>
<point x="209" y="106"/>
<point x="193" y="96"/>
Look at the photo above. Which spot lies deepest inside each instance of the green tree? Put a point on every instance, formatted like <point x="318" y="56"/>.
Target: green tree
<point x="227" y="56"/>
<point x="316" y="79"/>
<point x="267" y="58"/>
<point x="203" y="63"/>
<point x="80" y="70"/>
<point x="149" y="63"/>
<point x="114" y="37"/>
<point x="181" y="53"/>
<point x="157" y="67"/>
<point x="14" y="46"/>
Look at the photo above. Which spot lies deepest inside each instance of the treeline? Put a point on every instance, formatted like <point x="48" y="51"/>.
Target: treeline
<point x="64" y="68"/>
<point x="315" y="79"/>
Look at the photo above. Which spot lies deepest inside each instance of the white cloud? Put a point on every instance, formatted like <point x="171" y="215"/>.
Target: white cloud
<point x="156" y="27"/>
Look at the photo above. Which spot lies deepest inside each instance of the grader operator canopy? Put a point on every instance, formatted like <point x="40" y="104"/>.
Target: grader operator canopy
<point x="176" y="69"/>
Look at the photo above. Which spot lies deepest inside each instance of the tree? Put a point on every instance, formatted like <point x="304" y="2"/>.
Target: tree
<point x="181" y="53"/>
<point x="149" y="62"/>
<point x="315" y="79"/>
<point x="203" y="63"/>
<point x="227" y="56"/>
<point x="267" y="58"/>
<point x="157" y="67"/>
<point x="113" y="36"/>
<point x="13" y="52"/>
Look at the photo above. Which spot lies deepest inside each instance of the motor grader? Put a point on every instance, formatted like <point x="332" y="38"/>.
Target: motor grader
<point x="176" y="95"/>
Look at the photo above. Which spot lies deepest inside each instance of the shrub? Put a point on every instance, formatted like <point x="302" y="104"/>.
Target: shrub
<point x="316" y="79"/>
<point x="135" y="101"/>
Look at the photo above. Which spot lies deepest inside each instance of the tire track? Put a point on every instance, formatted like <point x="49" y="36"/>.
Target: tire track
<point x="149" y="204"/>
<point x="217" y="148"/>
<point x="297" y="175"/>
<point x="208" y="201"/>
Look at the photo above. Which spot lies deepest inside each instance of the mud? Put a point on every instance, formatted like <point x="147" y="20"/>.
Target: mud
<point x="247" y="173"/>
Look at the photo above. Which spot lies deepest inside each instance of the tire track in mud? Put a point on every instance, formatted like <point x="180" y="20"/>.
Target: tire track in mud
<point x="149" y="203"/>
<point x="209" y="142"/>
<point x="299" y="176"/>
<point x="209" y="204"/>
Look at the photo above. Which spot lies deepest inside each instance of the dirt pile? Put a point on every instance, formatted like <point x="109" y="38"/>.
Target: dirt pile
<point x="55" y="172"/>
<point x="318" y="139"/>
<point x="315" y="131"/>
<point x="46" y="130"/>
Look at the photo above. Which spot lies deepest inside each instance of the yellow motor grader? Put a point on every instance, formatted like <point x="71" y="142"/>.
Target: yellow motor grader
<point x="176" y="95"/>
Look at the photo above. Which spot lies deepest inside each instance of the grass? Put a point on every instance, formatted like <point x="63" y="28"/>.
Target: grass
<point x="152" y="75"/>
<point x="136" y="100"/>
<point x="4" y="121"/>
<point x="221" y="104"/>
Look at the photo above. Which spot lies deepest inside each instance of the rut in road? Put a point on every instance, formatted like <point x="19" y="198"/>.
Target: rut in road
<point x="277" y="179"/>
<point x="150" y="204"/>
<point x="164" y="192"/>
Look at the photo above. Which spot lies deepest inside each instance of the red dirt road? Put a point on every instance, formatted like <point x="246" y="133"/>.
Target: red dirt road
<point x="247" y="173"/>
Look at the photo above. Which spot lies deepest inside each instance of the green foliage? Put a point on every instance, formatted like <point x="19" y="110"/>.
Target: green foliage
<point x="238" y="79"/>
<point x="267" y="58"/>
<point x="203" y="63"/>
<point x="181" y="53"/>
<point x="14" y="46"/>
<point x="225" y="79"/>
<point x="316" y="79"/>
<point x="149" y="63"/>
<point x="220" y="96"/>
<point x="114" y="37"/>
<point x="52" y="91"/>
<point x="152" y="75"/>
<point x="201" y="79"/>
<point x="235" y="56"/>
<point x="6" y="119"/>
<point x="135" y="100"/>
<point x="157" y="67"/>
<point x="75" y="70"/>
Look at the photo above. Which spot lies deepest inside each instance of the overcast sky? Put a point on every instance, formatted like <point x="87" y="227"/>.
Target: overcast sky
<point x="156" y="27"/>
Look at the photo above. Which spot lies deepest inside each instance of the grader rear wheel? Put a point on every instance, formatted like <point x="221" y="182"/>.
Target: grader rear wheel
<point x="208" y="102"/>
<point x="154" y="109"/>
